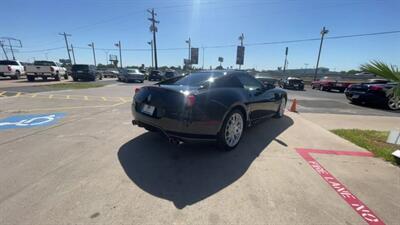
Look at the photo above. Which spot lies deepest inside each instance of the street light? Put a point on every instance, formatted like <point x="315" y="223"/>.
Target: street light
<point x="94" y="54"/>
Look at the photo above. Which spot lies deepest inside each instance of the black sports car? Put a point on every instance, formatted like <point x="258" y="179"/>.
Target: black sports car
<point x="372" y="93"/>
<point x="206" y="105"/>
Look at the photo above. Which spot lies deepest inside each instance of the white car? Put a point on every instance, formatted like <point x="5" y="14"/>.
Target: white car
<point x="11" y="68"/>
<point x="45" y="69"/>
<point x="127" y="75"/>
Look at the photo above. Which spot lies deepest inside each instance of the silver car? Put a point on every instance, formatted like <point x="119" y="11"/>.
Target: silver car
<point x="127" y="75"/>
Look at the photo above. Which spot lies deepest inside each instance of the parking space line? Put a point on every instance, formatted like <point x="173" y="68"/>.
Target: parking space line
<point x="355" y="203"/>
<point x="65" y="97"/>
<point x="68" y="107"/>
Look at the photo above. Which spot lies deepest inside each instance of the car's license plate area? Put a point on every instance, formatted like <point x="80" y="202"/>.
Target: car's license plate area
<point x="148" y="109"/>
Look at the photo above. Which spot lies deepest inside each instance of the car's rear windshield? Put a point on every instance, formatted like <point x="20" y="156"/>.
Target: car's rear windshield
<point x="295" y="81"/>
<point x="198" y="78"/>
<point x="80" y="67"/>
<point x="44" y="63"/>
<point x="133" y="71"/>
<point x="8" y="62"/>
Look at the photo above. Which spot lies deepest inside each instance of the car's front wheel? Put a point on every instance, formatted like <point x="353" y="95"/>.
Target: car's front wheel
<point x="232" y="130"/>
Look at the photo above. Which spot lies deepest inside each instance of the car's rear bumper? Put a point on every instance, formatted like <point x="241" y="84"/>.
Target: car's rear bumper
<point x="366" y="97"/>
<point x="7" y="74"/>
<point x="184" y="129"/>
<point x="40" y="74"/>
<point x="83" y="76"/>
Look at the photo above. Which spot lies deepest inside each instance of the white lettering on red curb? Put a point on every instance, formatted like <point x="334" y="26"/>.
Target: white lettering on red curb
<point x="358" y="206"/>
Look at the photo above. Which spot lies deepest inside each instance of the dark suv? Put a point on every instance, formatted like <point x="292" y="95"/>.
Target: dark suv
<point x="292" y="83"/>
<point x="155" y="75"/>
<point x="85" y="72"/>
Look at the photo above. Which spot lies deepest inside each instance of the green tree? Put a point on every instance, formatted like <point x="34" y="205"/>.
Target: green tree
<point x="389" y="72"/>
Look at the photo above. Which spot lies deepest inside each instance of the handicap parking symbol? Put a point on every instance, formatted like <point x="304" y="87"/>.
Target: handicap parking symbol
<point x="28" y="121"/>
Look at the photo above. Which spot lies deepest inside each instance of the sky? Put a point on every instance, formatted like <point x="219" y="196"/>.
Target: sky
<point x="209" y="24"/>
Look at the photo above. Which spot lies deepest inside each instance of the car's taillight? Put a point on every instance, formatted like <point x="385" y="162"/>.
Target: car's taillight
<point x="137" y="90"/>
<point x="190" y="100"/>
<point x="9" y="68"/>
<point x="375" y="88"/>
<point x="51" y="69"/>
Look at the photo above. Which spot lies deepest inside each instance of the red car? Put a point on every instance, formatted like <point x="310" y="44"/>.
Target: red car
<point x="327" y="84"/>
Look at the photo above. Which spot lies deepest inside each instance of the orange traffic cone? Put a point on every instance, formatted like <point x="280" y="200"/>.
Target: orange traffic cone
<point x="294" y="105"/>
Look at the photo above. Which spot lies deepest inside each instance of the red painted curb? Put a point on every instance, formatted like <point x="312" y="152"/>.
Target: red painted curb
<point x="355" y="203"/>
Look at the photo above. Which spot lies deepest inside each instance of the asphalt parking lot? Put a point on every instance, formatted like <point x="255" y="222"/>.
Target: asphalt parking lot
<point x="90" y="165"/>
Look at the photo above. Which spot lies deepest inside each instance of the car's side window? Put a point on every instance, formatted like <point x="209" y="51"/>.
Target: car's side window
<point x="227" y="81"/>
<point x="249" y="82"/>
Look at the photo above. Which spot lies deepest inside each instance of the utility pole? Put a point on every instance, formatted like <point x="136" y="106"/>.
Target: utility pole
<point x="152" y="57"/>
<point x="323" y="32"/>
<point x="189" y="42"/>
<point x="120" y="54"/>
<point x="94" y="53"/>
<point x="202" y="66"/>
<point x="73" y="53"/>
<point x="4" y="51"/>
<point x="11" y="48"/>
<point x="66" y="43"/>
<point x="153" y="28"/>
<point x="285" y="64"/>
<point x="241" y="38"/>
<point x="106" y="52"/>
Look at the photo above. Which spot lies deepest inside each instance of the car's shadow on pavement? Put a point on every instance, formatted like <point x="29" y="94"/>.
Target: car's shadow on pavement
<point x="189" y="173"/>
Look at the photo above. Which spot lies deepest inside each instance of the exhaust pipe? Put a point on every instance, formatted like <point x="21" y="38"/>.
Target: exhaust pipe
<point x="174" y="141"/>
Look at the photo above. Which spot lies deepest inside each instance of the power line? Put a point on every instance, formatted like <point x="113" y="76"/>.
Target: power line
<point x="230" y="45"/>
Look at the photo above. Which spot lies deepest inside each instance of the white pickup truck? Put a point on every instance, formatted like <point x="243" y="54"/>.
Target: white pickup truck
<point x="45" y="69"/>
<point x="11" y="68"/>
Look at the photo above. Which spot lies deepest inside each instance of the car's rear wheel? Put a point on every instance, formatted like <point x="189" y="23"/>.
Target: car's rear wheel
<point x="394" y="103"/>
<point x="231" y="131"/>
<point x="16" y="76"/>
<point x="281" y="109"/>
<point x="30" y="78"/>
<point x="57" y="77"/>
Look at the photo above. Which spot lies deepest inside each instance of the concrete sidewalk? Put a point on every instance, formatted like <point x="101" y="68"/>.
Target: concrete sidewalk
<point x="342" y="121"/>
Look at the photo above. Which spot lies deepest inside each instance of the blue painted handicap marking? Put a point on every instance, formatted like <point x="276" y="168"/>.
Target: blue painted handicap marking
<point x="28" y="121"/>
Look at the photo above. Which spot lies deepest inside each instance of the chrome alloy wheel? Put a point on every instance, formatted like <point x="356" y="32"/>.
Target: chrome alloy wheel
<point x="234" y="129"/>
